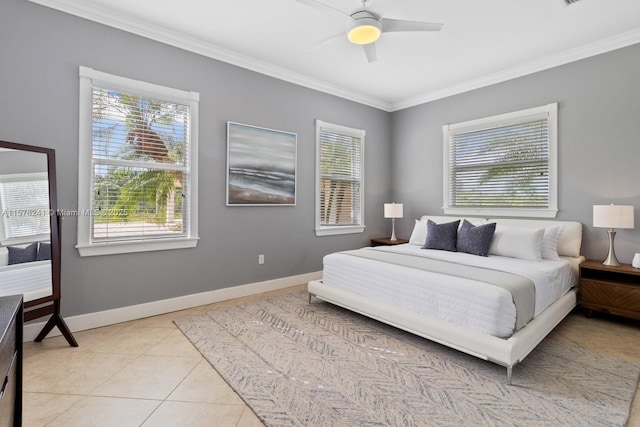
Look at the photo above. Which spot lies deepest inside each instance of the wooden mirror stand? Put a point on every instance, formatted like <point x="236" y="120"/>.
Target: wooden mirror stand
<point x="49" y="304"/>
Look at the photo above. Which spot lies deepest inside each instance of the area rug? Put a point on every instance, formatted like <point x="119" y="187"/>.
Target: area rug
<point x="301" y="364"/>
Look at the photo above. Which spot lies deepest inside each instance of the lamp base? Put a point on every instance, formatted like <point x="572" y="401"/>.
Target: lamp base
<point x="611" y="259"/>
<point x="393" y="230"/>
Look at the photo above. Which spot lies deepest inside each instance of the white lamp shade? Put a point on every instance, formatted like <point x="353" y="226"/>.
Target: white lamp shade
<point x="393" y="210"/>
<point x="613" y="216"/>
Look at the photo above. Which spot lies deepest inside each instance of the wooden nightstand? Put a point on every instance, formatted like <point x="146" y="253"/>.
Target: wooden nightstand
<point x="385" y="241"/>
<point x="613" y="290"/>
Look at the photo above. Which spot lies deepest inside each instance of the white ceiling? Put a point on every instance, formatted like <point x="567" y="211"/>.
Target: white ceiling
<point x="482" y="41"/>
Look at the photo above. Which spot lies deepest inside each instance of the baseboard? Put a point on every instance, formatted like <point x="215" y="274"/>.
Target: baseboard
<point x="125" y="314"/>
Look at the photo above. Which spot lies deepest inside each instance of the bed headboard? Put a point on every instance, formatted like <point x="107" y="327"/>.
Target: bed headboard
<point x="568" y="245"/>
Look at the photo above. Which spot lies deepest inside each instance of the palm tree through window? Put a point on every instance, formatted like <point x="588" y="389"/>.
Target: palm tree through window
<point x="139" y="166"/>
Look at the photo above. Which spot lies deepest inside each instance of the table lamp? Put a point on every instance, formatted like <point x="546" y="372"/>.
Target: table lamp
<point x="612" y="217"/>
<point x="393" y="211"/>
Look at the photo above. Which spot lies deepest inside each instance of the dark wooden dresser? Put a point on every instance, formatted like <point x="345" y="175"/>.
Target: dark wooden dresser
<point x="11" y="323"/>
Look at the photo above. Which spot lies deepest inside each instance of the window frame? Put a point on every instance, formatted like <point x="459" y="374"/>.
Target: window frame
<point x="330" y="230"/>
<point x="85" y="245"/>
<point x="550" y="111"/>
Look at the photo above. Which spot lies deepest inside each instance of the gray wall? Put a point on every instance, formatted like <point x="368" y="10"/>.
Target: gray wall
<point x="599" y="150"/>
<point x="41" y="50"/>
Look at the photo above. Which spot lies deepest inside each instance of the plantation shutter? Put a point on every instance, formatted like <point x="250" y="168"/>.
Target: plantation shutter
<point x="140" y="167"/>
<point x="340" y="177"/>
<point x="25" y="206"/>
<point x="505" y="166"/>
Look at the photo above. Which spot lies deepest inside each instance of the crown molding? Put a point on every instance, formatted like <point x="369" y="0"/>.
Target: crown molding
<point x="210" y="50"/>
<point x="581" y="52"/>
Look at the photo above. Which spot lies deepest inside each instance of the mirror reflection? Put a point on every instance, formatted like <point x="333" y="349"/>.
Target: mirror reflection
<point x="25" y="236"/>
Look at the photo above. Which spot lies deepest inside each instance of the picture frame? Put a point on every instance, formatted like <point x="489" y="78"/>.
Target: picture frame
<point x="261" y="166"/>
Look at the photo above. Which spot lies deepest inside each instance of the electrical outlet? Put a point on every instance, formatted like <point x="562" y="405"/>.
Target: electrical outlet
<point x="261" y="259"/>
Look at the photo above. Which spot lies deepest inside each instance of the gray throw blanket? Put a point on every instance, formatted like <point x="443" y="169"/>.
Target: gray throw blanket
<point x="521" y="288"/>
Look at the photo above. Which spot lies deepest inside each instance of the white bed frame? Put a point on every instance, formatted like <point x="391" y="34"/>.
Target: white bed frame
<point x="506" y="352"/>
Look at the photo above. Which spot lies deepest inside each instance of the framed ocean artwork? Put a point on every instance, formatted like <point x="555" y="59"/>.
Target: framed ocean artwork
<point x="261" y="166"/>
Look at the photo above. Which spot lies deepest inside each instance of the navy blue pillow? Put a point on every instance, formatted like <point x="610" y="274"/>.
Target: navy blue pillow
<point x="442" y="236"/>
<point x="475" y="240"/>
<point x="20" y="255"/>
<point x="44" y="252"/>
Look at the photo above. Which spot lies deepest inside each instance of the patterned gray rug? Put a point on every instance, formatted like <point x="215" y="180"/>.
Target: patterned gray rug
<point x="300" y="364"/>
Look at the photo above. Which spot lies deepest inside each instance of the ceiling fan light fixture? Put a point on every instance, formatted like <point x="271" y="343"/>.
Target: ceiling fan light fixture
<point x="364" y="30"/>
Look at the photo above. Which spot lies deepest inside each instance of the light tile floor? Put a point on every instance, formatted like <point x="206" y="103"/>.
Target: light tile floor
<point x="146" y="373"/>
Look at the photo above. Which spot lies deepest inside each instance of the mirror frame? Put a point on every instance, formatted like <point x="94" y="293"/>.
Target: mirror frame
<point x="50" y="304"/>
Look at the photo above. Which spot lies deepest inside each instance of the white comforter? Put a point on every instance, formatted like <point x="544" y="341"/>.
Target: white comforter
<point x="477" y="305"/>
<point x="32" y="279"/>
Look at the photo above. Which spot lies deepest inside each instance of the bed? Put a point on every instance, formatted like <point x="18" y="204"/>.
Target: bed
<point x="497" y="307"/>
<point x="31" y="279"/>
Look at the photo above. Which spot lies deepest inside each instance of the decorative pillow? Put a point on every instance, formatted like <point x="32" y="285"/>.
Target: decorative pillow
<point x="550" y="241"/>
<point x="44" y="252"/>
<point x="21" y="255"/>
<point x="475" y="240"/>
<point x="517" y="242"/>
<point x="419" y="234"/>
<point x="442" y="236"/>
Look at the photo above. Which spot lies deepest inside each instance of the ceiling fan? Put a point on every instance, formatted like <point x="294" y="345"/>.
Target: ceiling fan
<point x="364" y="27"/>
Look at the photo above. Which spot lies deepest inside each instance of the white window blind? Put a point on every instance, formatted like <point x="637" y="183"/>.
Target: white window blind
<point x="140" y="167"/>
<point x="24" y="199"/>
<point x="505" y="166"/>
<point x="503" y="162"/>
<point x="138" y="154"/>
<point x="340" y="177"/>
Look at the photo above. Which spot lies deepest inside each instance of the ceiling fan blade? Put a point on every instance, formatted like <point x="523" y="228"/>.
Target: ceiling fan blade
<point x="370" y="51"/>
<point x="328" y="40"/>
<point x="391" y="25"/>
<point x="325" y="7"/>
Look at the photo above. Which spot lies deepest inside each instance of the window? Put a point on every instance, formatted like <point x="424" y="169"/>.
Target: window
<point x="339" y="179"/>
<point x="138" y="160"/>
<point x="503" y="165"/>
<point x="24" y="202"/>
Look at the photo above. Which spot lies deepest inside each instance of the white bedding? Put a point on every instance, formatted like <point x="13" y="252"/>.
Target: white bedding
<point x="32" y="279"/>
<point x="479" y="306"/>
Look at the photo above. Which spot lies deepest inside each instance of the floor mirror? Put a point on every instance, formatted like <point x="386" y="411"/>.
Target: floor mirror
<point x="30" y="249"/>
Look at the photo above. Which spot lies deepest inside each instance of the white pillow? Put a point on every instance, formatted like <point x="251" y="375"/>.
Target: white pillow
<point x="4" y="256"/>
<point x="550" y="241"/>
<point x="419" y="234"/>
<point x="517" y="242"/>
